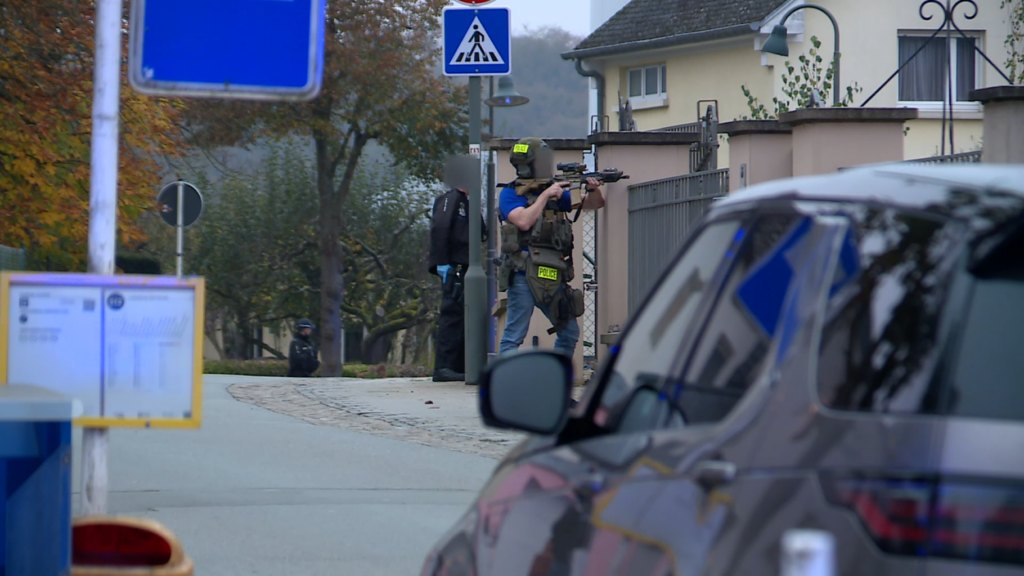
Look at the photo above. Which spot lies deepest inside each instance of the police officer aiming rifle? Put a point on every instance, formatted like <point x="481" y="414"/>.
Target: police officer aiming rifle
<point x="537" y="242"/>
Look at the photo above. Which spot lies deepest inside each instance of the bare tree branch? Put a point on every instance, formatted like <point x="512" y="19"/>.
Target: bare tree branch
<point x="376" y="258"/>
<point x="406" y="227"/>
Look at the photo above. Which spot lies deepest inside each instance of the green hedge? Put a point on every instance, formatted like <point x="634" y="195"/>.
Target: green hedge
<point x="280" y="368"/>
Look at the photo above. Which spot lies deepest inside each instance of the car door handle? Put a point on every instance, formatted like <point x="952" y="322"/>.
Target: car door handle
<point x="711" y="474"/>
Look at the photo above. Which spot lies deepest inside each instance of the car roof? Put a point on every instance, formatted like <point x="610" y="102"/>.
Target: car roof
<point x="899" y="184"/>
<point x="984" y="196"/>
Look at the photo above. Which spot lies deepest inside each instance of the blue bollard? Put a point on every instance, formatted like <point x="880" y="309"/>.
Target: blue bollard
<point x="35" y="482"/>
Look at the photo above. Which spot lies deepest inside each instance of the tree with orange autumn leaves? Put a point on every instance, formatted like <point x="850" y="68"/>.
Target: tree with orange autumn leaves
<point x="379" y="86"/>
<point x="46" y="67"/>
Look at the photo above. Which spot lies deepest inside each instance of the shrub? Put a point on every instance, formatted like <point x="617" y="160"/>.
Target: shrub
<point x="279" y="368"/>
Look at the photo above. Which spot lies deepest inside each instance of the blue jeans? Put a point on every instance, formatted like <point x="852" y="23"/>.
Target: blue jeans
<point x="517" y="321"/>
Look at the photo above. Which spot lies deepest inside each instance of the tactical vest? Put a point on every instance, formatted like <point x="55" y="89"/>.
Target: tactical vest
<point x="547" y="261"/>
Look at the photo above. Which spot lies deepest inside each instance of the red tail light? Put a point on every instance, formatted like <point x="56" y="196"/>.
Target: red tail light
<point x="118" y="545"/>
<point x="980" y="521"/>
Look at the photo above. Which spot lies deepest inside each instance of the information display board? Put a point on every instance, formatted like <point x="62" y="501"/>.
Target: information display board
<point x="129" y="348"/>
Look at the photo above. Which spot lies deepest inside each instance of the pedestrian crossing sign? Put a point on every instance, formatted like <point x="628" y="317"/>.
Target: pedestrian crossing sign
<point x="477" y="41"/>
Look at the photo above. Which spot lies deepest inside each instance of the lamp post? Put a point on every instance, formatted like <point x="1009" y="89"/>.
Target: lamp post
<point x="777" y="43"/>
<point x="476" y="282"/>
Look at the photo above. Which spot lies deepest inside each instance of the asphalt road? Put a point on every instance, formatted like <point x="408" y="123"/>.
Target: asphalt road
<point x="259" y="493"/>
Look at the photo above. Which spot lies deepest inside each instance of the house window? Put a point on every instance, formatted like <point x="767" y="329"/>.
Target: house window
<point x="925" y="80"/>
<point x="647" y="82"/>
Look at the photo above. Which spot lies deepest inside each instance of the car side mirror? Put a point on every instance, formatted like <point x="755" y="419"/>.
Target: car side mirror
<point x="527" y="391"/>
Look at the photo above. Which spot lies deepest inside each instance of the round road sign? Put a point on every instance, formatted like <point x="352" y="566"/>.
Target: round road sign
<point x="474" y="2"/>
<point x="167" y="202"/>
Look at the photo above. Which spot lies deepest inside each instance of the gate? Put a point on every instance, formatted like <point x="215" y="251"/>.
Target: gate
<point x="662" y="213"/>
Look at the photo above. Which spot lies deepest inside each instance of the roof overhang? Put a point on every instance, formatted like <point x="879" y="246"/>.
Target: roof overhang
<point x="664" y="42"/>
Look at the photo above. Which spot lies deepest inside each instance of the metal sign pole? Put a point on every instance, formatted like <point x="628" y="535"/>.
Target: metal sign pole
<point x="102" y="216"/>
<point x="492" y="247"/>
<point x="180" y="227"/>
<point x="476" y="280"/>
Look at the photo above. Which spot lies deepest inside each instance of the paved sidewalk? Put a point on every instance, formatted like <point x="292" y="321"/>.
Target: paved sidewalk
<point x="443" y="415"/>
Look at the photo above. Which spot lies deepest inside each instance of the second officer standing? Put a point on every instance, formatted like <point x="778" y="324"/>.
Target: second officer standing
<point x="449" y="259"/>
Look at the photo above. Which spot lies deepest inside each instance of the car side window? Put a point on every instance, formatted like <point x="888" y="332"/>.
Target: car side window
<point x="734" y="344"/>
<point x="651" y="347"/>
<point x="883" y="336"/>
<point x="987" y="379"/>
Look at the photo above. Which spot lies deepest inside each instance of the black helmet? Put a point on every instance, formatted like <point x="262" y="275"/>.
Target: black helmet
<point x="305" y="323"/>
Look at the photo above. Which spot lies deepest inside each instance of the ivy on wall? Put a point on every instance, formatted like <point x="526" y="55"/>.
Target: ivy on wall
<point x="800" y="85"/>
<point x="1015" y="40"/>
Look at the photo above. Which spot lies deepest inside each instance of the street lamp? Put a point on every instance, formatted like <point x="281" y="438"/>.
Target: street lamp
<point x="506" y="96"/>
<point x="777" y="43"/>
<point x="477" y="300"/>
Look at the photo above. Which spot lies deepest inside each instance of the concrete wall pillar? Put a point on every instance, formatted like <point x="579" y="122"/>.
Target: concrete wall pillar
<point x="1003" y="124"/>
<point x="827" y="139"/>
<point x="759" y="151"/>
<point x="644" y="156"/>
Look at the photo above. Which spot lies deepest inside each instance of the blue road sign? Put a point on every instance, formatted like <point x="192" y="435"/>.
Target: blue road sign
<point x="252" y="49"/>
<point x="477" y="41"/>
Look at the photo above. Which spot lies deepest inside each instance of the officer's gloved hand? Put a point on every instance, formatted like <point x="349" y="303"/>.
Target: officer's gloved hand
<point x="442" y="271"/>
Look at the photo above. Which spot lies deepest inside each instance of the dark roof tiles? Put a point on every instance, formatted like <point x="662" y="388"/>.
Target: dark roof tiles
<point x="652" y="19"/>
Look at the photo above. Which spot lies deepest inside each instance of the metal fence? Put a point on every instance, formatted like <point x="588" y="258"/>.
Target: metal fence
<point x="588" y="227"/>
<point x="961" y="158"/>
<point x="662" y="213"/>
<point x="12" y="258"/>
<point x="690" y="128"/>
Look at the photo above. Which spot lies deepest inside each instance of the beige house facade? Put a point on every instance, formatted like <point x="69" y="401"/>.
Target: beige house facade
<point x="663" y="57"/>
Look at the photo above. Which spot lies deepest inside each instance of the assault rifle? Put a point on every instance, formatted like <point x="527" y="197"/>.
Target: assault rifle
<point x="577" y="172"/>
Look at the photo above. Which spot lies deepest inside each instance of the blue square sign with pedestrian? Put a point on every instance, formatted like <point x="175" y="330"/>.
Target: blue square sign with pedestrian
<point x="477" y="41"/>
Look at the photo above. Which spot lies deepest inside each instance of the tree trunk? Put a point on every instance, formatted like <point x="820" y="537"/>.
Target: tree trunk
<point x="376" y="348"/>
<point x="422" y="339"/>
<point x="235" y="346"/>
<point x="210" y="329"/>
<point x="330" y="263"/>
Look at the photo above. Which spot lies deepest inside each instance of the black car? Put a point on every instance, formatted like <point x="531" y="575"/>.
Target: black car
<point x="843" y="353"/>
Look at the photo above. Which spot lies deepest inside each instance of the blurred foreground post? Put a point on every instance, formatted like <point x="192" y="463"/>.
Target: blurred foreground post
<point x="102" y="215"/>
<point x="808" y="553"/>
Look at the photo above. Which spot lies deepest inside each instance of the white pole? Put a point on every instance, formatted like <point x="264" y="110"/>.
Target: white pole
<point x="181" y="225"/>
<point x="808" y="553"/>
<point x="102" y="215"/>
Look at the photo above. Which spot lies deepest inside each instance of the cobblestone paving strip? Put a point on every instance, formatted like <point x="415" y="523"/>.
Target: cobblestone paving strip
<point x="413" y="410"/>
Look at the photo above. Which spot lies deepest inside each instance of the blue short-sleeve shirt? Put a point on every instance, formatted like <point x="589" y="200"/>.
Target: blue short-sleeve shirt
<point x="509" y="201"/>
